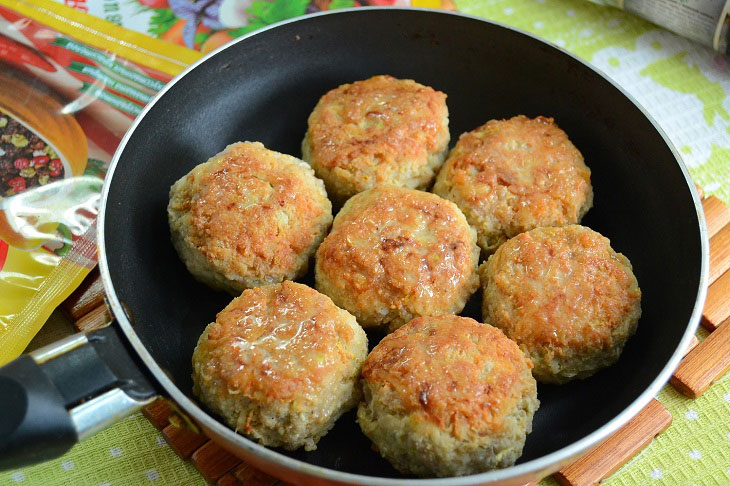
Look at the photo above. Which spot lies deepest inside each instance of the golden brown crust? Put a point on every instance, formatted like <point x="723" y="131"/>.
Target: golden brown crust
<point x="378" y="130"/>
<point x="460" y="375"/>
<point x="563" y="294"/>
<point x="509" y="176"/>
<point x="394" y="254"/>
<point x="283" y="342"/>
<point x="252" y="213"/>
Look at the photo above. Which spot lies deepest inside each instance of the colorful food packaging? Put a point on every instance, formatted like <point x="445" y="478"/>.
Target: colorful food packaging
<point x="69" y="89"/>
<point x="205" y="25"/>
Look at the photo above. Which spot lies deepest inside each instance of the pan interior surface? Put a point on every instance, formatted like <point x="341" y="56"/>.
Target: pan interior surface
<point x="263" y="89"/>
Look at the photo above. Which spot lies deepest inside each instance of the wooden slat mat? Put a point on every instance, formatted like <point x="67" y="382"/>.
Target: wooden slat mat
<point x="704" y="363"/>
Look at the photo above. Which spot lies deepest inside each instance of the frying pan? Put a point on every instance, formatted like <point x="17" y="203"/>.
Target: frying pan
<point x="262" y="88"/>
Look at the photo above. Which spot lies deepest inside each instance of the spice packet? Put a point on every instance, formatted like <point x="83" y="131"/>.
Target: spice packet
<point x="70" y="86"/>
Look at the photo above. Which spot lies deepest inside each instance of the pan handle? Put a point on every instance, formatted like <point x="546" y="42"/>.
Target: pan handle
<point x="65" y="392"/>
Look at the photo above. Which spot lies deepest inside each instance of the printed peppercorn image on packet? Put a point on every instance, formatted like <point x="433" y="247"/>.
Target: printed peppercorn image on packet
<point x="70" y="86"/>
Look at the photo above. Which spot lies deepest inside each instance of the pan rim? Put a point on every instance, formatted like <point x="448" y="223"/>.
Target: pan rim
<point x="543" y="465"/>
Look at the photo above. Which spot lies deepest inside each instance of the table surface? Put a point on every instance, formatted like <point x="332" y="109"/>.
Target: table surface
<point x="685" y="87"/>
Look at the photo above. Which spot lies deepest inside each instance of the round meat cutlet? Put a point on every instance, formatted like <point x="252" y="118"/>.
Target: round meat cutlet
<point x="395" y="254"/>
<point x="447" y="396"/>
<point x="565" y="296"/>
<point x="248" y="217"/>
<point x="510" y="176"/>
<point x="280" y="364"/>
<point x="381" y="130"/>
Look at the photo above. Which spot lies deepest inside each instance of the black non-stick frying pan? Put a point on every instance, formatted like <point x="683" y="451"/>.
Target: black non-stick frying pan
<point x="262" y="88"/>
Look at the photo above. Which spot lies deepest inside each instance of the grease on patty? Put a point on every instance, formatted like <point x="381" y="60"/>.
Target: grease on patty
<point x="394" y="254"/>
<point x="378" y="130"/>
<point x="565" y="296"/>
<point x="280" y="364"/>
<point x="510" y="176"/>
<point x="248" y="217"/>
<point x="447" y="396"/>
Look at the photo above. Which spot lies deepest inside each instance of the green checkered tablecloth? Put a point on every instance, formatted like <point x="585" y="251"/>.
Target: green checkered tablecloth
<point x="685" y="88"/>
